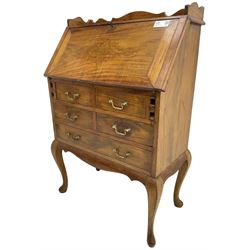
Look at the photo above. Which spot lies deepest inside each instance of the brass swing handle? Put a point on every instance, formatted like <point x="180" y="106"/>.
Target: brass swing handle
<point x="117" y="152"/>
<point x="73" y="137"/>
<point x="72" y="96"/>
<point x="124" y="104"/>
<point x="125" y="131"/>
<point x="71" y="117"/>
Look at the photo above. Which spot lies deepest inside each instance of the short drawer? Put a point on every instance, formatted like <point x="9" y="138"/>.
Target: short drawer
<point x="122" y="152"/>
<point x="125" y="129"/>
<point x="124" y="101"/>
<point x="73" y="116"/>
<point x="73" y="93"/>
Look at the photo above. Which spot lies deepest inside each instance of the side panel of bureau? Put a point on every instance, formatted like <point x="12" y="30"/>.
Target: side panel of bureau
<point x="176" y="103"/>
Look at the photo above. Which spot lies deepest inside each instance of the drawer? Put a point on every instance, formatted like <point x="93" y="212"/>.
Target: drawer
<point x="73" y="116"/>
<point x="75" y="94"/>
<point x="125" y="129"/>
<point x="122" y="152"/>
<point x="118" y="100"/>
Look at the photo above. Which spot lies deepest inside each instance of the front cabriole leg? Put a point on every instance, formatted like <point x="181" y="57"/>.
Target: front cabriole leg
<point x="154" y="188"/>
<point x="57" y="154"/>
<point x="181" y="175"/>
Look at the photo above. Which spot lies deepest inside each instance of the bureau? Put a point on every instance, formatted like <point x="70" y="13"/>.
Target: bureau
<point x="121" y="96"/>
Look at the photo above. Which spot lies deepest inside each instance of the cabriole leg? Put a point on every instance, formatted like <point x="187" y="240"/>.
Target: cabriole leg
<point x="180" y="177"/>
<point x="57" y="154"/>
<point x="154" y="189"/>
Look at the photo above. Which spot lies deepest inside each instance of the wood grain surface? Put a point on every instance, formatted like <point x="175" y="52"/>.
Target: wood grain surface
<point x="120" y="55"/>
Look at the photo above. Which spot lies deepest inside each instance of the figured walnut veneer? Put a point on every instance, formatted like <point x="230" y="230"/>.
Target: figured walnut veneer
<point x="121" y="95"/>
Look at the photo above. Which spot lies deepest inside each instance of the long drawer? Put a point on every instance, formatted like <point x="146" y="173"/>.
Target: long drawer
<point x="128" y="154"/>
<point x="125" y="129"/>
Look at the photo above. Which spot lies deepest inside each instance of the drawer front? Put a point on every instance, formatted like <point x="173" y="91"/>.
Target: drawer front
<point x="74" y="117"/>
<point x="115" y="150"/>
<point x="75" y="94"/>
<point x="125" y="129"/>
<point x="124" y="101"/>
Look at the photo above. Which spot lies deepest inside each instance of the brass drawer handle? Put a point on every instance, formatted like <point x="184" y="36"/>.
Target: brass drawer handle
<point x="73" y="137"/>
<point x="124" y="104"/>
<point x="125" y="131"/>
<point x="71" y="117"/>
<point x="72" y="96"/>
<point x="117" y="152"/>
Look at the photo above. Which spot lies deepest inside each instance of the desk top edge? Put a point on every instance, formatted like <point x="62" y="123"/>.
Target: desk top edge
<point x="193" y="11"/>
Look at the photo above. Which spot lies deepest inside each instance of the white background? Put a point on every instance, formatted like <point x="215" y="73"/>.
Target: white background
<point x="103" y="210"/>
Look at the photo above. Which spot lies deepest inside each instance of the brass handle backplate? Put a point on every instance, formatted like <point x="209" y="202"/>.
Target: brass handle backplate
<point x="125" y="131"/>
<point x="117" y="153"/>
<point x="72" y="96"/>
<point x="124" y="104"/>
<point x="71" y="117"/>
<point x="73" y="137"/>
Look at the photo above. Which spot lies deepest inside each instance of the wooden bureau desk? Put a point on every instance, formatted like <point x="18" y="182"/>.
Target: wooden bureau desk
<point x="121" y="96"/>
